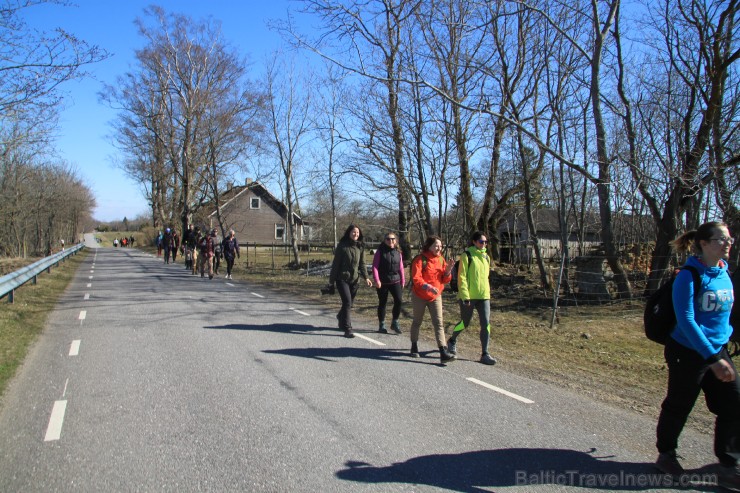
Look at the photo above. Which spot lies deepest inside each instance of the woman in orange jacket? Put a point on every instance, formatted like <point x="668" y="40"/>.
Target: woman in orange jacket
<point x="429" y="273"/>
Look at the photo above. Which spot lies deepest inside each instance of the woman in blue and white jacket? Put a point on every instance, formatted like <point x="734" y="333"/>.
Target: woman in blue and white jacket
<point x="696" y="353"/>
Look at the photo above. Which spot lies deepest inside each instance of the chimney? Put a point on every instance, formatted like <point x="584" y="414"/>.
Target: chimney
<point x="249" y="181"/>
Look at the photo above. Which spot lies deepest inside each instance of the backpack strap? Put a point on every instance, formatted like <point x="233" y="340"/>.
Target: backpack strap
<point x="696" y="277"/>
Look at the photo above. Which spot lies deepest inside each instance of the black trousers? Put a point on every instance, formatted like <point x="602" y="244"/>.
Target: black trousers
<point x="396" y="291"/>
<point x="229" y="264"/>
<point x="688" y="374"/>
<point x="347" y="293"/>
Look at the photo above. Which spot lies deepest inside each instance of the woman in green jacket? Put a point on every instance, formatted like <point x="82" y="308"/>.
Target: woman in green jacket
<point x="474" y="293"/>
<point x="347" y="268"/>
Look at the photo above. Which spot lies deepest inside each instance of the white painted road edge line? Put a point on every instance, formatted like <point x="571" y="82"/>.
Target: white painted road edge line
<point x="368" y="339"/>
<point x="500" y="390"/>
<point x="229" y="284"/>
<point x="74" y="349"/>
<point x="298" y="311"/>
<point x="257" y="295"/>
<point x="83" y="315"/>
<point x="54" y="430"/>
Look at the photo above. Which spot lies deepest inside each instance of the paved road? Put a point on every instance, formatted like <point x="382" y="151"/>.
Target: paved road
<point x="149" y="379"/>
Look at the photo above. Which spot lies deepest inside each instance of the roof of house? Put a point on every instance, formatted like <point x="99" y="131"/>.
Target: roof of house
<point x="261" y="191"/>
<point x="546" y="220"/>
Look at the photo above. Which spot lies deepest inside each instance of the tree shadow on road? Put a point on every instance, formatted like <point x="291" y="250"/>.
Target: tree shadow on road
<point x="535" y="469"/>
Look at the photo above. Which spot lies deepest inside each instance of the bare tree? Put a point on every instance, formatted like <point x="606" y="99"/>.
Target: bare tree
<point x="289" y="107"/>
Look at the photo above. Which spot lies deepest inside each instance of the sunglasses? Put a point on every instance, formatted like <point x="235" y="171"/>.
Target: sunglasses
<point x="482" y="241"/>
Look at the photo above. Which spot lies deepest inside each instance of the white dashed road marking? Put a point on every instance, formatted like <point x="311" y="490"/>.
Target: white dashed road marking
<point x="368" y="339"/>
<point x="54" y="430"/>
<point x="500" y="390"/>
<point x="83" y="315"/>
<point x="257" y="295"/>
<point x="74" y="349"/>
<point x="87" y="296"/>
<point x="298" y="311"/>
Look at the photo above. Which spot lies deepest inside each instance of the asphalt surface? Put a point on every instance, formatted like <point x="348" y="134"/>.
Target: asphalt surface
<point x="150" y="379"/>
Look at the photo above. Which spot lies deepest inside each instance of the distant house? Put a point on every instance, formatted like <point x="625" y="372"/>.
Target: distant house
<point x="516" y="244"/>
<point x="255" y="215"/>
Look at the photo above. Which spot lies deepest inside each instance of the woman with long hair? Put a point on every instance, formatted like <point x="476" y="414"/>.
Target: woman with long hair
<point x="429" y="273"/>
<point x="347" y="268"/>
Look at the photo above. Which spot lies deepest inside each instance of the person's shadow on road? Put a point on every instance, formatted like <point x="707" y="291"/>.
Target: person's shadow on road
<point x="329" y="353"/>
<point x="536" y="469"/>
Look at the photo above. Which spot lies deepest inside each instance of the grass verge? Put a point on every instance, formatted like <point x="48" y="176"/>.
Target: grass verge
<point x="21" y="322"/>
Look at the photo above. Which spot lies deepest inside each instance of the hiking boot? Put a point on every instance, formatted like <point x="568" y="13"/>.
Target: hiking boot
<point x="381" y="328"/>
<point x="452" y="346"/>
<point x="667" y="463"/>
<point x="487" y="359"/>
<point x="445" y="355"/>
<point x="414" y="350"/>
<point x="395" y="327"/>
<point x="349" y="334"/>
<point x="729" y="477"/>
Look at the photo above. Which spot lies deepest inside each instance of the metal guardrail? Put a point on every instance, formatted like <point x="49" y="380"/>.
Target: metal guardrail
<point x="10" y="282"/>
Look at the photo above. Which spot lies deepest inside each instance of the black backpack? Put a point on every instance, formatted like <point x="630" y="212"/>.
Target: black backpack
<point x="659" y="317"/>
<point x="456" y="268"/>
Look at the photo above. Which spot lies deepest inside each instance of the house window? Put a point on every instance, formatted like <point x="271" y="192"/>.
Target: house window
<point x="254" y="203"/>
<point x="279" y="231"/>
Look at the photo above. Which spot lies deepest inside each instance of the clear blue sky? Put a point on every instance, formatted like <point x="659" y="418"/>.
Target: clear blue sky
<point x="84" y="125"/>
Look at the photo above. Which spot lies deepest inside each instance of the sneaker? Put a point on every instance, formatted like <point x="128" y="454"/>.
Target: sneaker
<point x="667" y="463"/>
<point x="349" y="334"/>
<point x="445" y="355"/>
<point x="452" y="346"/>
<point x="728" y="477"/>
<point x="487" y="359"/>
<point x="395" y="327"/>
<point x="382" y="329"/>
<point x="414" y="350"/>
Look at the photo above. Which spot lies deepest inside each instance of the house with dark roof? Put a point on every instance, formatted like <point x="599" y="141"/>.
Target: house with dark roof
<point x="517" y="246"/>
<point x="255" y="215"/>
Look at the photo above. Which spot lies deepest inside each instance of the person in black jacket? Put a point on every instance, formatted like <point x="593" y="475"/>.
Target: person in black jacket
<point x="389" y="277"/>
<point x="346" y="269"/>
<point x="230" y="249"/>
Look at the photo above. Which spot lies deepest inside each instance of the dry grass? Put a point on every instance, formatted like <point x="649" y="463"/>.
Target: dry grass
<point x="21" y="322"/>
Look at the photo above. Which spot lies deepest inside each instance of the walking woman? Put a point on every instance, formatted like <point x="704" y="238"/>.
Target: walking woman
<point x="390" y="278"/>
<point x="230" y="249"/>
<point x="429" y="273"/>
<point x="347" y="268"/>
<point x="697" y="357"/>
<point x="474" y="293"/>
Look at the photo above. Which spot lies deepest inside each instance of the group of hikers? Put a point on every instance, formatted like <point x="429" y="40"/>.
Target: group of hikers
<point x="202" y="250"/>
<point x="430" y="272"/>
<point x="696" y="352"/>
<point x="123" y="242"/>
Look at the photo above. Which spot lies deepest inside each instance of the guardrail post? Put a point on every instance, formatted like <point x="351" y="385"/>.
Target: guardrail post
<point x="35" y="279"/>
<point x="11" y="296"/>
